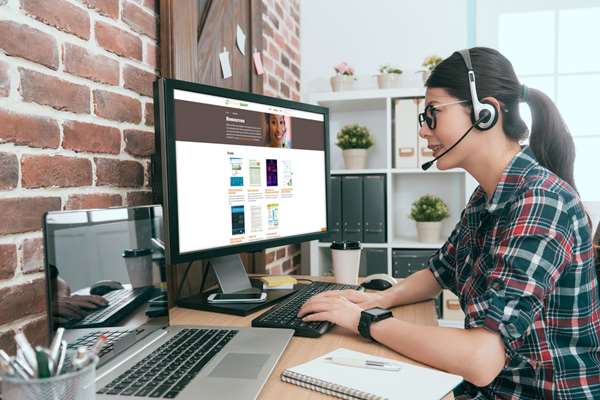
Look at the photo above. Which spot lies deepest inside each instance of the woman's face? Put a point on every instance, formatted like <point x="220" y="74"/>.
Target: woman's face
<point x="452" y="121"/>
<point x="277" y="129"/>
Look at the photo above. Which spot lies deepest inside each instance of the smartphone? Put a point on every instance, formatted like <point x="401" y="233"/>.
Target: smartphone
<point x="237" y="297"/>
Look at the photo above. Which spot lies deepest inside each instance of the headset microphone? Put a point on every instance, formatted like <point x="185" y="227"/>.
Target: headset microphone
<point x="483" y="115"/>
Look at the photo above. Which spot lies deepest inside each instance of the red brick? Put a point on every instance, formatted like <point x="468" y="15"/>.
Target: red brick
<point x="61" y="14"/>
<point x="94" y="200"/>
<point x="9" y="171"/>
<point x="23" y="41"/>
<point x="24" y="214"/>
<point x="269" y="257"/>
<point x="22" y="300"/>
<point x="111" y="172"/>
<point x="151" y="4"/>
<point x="4" y="80"/>
<point x="55" y="171"/>
<point x="8" y="260"/>
<point x="285" y="90"/>
<point x="149" y="114"/>
<point x="118" y="41"/>
<point x="29" y="130"/>
<point x="117" y="107"/>
<point x="33" y="255"/>
<point x="139" y="20"/>
<point x="287" y="266"/>
<point x="280" y="253"/>
<point x="110" y="8"/>
<point x="54" y="92"/>
<point x="138" y="80"/>
<point x="152" y="55"/>
<point x="139" y="199"/>
<point x="78" y="61"/>
<point x="7" y="342"/>
<point x="83" y="136"/>
<point x="139" y="143"/>
<point x="36" y="332"/>
<point x="293" y="248"/>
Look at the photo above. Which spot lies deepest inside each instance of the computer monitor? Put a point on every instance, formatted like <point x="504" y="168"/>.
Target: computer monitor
<point x="240" y="172"/>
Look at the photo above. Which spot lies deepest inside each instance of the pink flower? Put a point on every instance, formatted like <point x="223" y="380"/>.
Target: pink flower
<point x="344" y="69"/>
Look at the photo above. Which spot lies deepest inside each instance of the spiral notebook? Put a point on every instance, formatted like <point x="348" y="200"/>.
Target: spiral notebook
<point x="355" y="383"/>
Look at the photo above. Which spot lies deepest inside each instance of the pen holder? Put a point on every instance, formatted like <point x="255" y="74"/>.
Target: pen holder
<point x="75" y="385"/>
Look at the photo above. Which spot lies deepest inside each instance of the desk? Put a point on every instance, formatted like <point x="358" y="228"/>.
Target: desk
<point x="301" y="349"/>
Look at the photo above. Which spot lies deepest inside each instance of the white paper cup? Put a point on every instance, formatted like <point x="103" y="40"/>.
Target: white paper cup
<point x="139" y="267"/>
<point x="345" y="257"/>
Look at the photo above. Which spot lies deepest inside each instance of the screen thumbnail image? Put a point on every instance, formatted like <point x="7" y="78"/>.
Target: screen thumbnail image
<point x="254" y="167"/>
<point x="271" y="172"/>
<point x="286" y="173"/>
<point x="236" y="178"/>
<point x="273" y="211"/>
<point x="237" y="220"/>
<point x="256" y="224"/>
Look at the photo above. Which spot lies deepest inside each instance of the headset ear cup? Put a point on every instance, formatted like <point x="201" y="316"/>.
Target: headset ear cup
<point x="489" y="122"/>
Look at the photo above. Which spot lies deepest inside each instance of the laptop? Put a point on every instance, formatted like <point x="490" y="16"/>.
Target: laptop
<point x="104" y="272"/>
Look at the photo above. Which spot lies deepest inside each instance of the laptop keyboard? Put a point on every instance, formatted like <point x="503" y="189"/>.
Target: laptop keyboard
<point x="91" y="338"/>
<point x="167" y="370"/>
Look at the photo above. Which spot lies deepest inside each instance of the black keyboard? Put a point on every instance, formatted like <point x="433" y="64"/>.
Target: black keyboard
<point x="285" y="314"/>
<point x="167" y="370"/>
<point x="120" y="303"/>
<point x="112" y="336"/>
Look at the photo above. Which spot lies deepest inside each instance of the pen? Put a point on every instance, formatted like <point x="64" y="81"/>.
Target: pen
<point x="28" y="352"/>
<point x="62" y="353"/>
<point x="371" y="364"/>
<point x="56" y="342"/>
<point x="43" y="362"/>
<point x="99" y="345"/>
<point x="23" y="364"/>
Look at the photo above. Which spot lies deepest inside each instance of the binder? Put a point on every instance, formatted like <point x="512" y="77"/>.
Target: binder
<point x="425" y="154"/>
<point x="352" y="207"/>
<point x="334" y="220"/>
<point x="405" y="133"/>
<point x="374" y="209"/>
<point x="405" y="262"/>
<point x="376" y="261"/>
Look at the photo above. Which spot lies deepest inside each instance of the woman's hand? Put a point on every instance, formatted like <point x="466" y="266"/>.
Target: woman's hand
<point x="333" y="308"/>
<point x="363" y="299"/>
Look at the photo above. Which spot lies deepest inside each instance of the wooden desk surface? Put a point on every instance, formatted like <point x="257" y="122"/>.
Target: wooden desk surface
<point x="301" y="349"/>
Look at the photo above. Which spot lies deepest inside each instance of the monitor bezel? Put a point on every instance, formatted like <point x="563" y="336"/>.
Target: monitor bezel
<point x="164" y="100"/>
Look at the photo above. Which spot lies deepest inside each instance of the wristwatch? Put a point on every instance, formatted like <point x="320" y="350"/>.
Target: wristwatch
<point x="367" y="317"/>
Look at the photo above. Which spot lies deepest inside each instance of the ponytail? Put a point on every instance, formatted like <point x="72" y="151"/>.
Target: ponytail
<point x="550" y="139"/>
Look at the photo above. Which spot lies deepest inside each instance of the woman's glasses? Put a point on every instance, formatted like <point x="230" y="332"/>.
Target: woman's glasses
<point x="428" y="115"/>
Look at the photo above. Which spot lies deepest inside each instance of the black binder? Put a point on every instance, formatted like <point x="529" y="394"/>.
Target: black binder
<point x="334" y="219"/>
<point x="374" y="209"/>
<point x="406" y="262"/>
<point x="374" y="261"/>
<point x="352" y="207"/>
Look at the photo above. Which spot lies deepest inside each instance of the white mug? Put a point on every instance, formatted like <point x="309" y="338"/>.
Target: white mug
<point x="139" y="267"/>
<point x="345" y="257"/>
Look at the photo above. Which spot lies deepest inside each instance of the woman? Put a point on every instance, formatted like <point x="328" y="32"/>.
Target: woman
<point x="278" y="130"/>
<point x="520" y="259"/>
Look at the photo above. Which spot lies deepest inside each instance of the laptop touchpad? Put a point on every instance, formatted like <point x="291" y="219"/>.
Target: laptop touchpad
<point x="240" y="365"/>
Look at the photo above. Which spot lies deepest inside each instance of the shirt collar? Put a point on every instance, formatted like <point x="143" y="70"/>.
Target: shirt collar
<point x="511" y="179"/>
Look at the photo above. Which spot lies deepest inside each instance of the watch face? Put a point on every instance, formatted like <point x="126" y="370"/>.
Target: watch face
<point x="377" y="311"/>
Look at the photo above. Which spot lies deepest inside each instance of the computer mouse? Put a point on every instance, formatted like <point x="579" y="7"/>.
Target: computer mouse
<point x="102" y="287"/>
<point x="379" y="282"/>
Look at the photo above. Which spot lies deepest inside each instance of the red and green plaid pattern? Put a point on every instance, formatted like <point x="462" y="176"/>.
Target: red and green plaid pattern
<point x="522" y="265"/>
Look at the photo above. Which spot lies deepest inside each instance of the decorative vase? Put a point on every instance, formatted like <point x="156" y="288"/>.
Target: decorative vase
<point x="355" y="158"/>
<point x="429" y="232"/>
<point x="342" y="82"/>
<point x="388" y="81"/>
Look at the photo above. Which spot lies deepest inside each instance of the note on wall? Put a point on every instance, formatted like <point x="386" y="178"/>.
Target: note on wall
<point x="258" y="62"/>
<point x="225" y="65"/>
<point x="240" y="40"/>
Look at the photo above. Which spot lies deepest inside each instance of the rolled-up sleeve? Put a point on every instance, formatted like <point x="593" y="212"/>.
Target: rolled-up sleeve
<point x="530" y="256"/>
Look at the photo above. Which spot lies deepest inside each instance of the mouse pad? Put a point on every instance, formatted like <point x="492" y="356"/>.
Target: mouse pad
<point x="240" y="366"/>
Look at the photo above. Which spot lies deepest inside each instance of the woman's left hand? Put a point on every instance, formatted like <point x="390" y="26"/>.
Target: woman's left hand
<point x="336" y="309"/>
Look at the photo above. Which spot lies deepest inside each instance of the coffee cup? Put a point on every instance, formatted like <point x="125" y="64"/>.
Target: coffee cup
<point x="345" y="257"/>
<point x="139" y="267"/>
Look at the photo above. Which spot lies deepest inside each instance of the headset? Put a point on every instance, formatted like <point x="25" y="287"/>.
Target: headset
<point x="478" y="106"/>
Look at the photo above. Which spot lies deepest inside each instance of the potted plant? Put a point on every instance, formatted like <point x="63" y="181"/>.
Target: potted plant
<point x="354" y="140"/>
<point x="389" y="77"/>
<point x="429" y="64"/>
<point x="428" y="211"/>
<point x="344" y="77"/>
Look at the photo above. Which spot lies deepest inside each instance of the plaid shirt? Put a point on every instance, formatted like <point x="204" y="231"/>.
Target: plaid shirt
<point x="522" y="266"/>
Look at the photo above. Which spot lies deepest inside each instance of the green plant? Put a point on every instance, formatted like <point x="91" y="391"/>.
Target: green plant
<point x="429" y="208"/>
<point x="389" y="69"/>
<point x="431" y="62"/>
<point x="354" y="136"/>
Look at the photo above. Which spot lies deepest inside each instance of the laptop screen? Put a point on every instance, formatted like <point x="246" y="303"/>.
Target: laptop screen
<point x="104" y="268"/>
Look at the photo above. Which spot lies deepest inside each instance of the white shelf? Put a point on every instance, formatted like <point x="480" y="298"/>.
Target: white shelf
<point x="429" y="171"/>
<point x="370" y="94"/>
<point x="369" y="245"/>
<point x="402" y="243"/>
<point x="358" y="171"/>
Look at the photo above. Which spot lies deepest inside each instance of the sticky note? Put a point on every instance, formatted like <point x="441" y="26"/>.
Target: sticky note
<point x="258" y="62"/>
<point x="225" y="65"/>
<point x="240" y="40"/>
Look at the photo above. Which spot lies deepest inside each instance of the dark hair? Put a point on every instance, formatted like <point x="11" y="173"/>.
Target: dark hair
<point x="550" y="140"/>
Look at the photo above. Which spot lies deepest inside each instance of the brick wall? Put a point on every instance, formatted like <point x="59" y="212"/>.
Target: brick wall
<point x="76" y="128"/>
<point x="281" y="59"/>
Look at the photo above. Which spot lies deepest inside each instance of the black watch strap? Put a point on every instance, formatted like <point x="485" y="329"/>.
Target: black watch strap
<point x="367" y="317"/>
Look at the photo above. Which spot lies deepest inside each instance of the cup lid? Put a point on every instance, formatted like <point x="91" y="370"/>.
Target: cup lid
<point x="136" y="252"/>
<point x="345" y="245"/>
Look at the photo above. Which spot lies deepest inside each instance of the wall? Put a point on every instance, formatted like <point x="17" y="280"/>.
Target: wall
<point x="281" y="59"/>
<point x="76" y="128"/>
<point x="369" y="34"/>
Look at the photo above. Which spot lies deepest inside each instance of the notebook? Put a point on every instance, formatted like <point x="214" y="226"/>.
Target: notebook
<point x="353" y="383"/>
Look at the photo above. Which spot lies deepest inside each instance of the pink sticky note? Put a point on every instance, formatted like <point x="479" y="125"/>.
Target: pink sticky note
<point x="258" y="63"/>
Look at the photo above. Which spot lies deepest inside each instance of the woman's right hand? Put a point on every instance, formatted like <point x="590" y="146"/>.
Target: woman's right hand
<point x="363" y="299"/>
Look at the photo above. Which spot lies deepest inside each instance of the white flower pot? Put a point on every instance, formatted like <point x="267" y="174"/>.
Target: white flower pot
<point x="388" y="81"/>
<point x="342" y="82"/>
<point x="429" y="232"/>
<point x="355" y="158"/>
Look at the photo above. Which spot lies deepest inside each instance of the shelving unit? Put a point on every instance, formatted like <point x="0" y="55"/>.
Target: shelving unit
<point x="374" y="109"/>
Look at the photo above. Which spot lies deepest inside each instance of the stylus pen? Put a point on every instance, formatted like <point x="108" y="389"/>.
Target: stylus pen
<point x="371" y="364"/>
<point x="55" y="345"/>
<point x="28" y="351"/>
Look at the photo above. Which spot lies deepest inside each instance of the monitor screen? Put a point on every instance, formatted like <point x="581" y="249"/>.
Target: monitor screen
<point x="243" y="171"/>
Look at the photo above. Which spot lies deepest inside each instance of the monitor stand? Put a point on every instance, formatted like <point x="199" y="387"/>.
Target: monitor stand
<point x="232" y="278"/>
